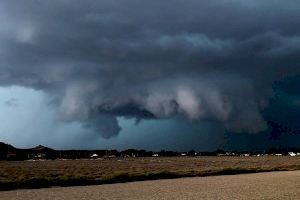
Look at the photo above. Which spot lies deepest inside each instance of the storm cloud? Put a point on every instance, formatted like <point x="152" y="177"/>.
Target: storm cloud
<point x="196" y="60"/>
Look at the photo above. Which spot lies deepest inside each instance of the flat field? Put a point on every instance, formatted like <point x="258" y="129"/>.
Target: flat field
<point x="47" y="173"/>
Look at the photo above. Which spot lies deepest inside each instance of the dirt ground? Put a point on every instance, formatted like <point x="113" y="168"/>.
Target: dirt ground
<point x="269" y="185"/>
<point x="47" y="173"/>
<point x="101" y="168"/>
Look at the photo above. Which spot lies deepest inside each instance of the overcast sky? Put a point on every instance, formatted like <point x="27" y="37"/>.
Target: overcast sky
<point x="150" y="74"/>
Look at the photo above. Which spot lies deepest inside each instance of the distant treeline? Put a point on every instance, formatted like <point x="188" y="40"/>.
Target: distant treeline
<point x="8" y="152"/>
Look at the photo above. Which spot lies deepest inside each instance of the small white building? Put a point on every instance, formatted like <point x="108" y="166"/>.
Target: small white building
<point x="94" y="156"/>
<point x="292" y="154"/>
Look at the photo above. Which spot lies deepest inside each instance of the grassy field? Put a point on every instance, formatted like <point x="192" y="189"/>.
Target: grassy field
<point x="38" y="174"/>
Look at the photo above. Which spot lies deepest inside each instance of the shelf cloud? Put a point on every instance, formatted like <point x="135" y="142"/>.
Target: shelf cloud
<point x="196" y="60"/>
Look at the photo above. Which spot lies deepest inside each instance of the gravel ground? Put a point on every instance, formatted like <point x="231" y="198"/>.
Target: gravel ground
<point x="271" y="185"/>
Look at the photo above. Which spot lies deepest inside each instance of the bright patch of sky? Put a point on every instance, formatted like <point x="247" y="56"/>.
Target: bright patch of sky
<point x="27" y="119"/>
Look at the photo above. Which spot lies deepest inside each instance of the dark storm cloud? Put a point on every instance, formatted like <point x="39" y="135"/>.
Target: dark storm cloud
<point x="211" y="60"/>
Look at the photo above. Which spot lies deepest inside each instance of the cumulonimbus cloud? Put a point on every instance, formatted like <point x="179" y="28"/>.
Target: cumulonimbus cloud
<point x="197" y="60"/>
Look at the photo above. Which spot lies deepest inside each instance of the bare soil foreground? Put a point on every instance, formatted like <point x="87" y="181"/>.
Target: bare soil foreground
<point x="39" y="174"/>
<point x="269" y="185"/>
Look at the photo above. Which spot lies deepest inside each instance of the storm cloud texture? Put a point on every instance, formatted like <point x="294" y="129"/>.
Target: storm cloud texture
<point x="195" y="60"/>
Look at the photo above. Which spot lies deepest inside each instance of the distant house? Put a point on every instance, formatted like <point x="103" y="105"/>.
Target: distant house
<point x="94" y="156"/>
<point x="292" y="154"/>
<point x="11" y="155"/>
<point x="39" y="156"/>
<point x="109" y="156"/>
<point x="41" y="152"/>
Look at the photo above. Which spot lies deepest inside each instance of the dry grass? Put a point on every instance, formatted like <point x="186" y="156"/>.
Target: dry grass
<point x="37" y="174"/>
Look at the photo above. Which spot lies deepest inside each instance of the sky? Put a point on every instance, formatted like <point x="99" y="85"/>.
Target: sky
<point x="174" y="75"/>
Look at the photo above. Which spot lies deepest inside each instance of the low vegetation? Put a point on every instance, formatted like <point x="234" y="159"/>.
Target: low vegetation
<point x="47" y="173"/>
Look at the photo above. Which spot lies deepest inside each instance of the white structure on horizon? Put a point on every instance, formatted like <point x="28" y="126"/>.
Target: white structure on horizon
<point x="95" y="156"/>
<point x="292" y="154"/>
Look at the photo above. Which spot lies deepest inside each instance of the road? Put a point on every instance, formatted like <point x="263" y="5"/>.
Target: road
<point x="271" y="185"/>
